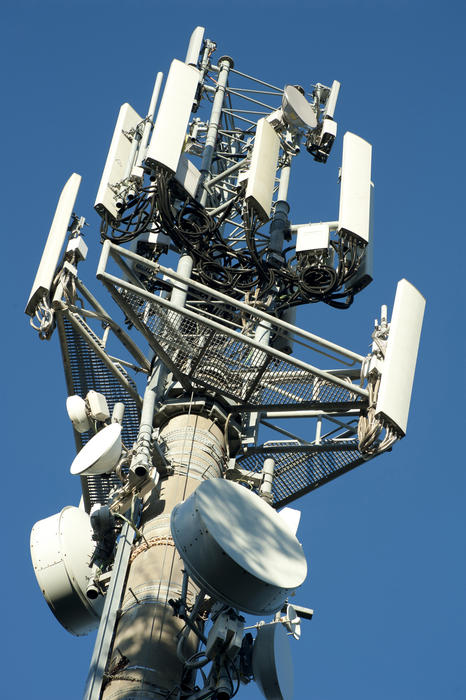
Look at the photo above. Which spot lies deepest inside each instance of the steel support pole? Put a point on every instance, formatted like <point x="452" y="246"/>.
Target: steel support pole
<point x="278" y="228"/>
<point x="225" y="65"/>
<point x="149" y="122"/>
<point x="142" y="457"/>
<point x="266" y="488"/>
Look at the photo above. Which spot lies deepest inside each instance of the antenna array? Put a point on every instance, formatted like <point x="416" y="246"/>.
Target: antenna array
<point x="178" y="407"/>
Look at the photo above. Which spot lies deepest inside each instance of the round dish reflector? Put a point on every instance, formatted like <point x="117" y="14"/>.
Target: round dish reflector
<point x="292" y="622"/>
<point x="297" y="111"/>
<point x="237" y="548"/>
<point x="100" y="454"/>
<point x="61" y="549"/>
<point x="272" y="664"/>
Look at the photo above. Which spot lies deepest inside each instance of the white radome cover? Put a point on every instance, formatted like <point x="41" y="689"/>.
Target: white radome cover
<point x="61" y="549"/>
<point x="101" y="454"/>
<point x="237" y="547"/>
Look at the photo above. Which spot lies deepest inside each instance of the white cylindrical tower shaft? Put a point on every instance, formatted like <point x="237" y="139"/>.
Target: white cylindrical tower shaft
<point x="144" y="662"/>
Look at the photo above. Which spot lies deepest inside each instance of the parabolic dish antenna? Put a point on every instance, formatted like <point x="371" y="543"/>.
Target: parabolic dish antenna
<point x="61" y="549"/>
<point x="237" y="548"/>
<point x="100" y="454"/>
<point x="297" y="111"/>
<point x="272" y="664"/>
<point x="293" y="622"/>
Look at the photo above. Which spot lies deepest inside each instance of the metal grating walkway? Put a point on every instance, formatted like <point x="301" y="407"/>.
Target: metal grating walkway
<point x="300" y="468"/>
<point x="206" y="354"/>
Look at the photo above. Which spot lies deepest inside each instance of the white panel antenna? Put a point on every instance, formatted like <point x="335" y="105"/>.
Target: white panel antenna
<point x="188" y="175"/>
<point x="108" y="198"/>
<point x="175" y="108"/>
<point x="261" y="175"/>
<point x="331" y="103"/>
<point x="400" y="359"/>
<point x="355" y="191"/>
<point x="55" y="241"/>
<point x="365" y="272"/>
<point x="312" y="237"/>
<point x="194" y="47"/>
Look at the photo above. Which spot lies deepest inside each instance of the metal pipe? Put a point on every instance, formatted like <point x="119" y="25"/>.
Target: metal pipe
<point x="333" y="225"/>
<point x="133" y="153"/>
<point x="81" y="329"/>
<point x="250" y="99"/>
<point x="268" y="469"/>
<point x="318" y="431"/>
<point x="124" y="338"/>
<point x="142" y="459"/>
<point x="284" y="183"/>
<point x="279" y="225"/>
<point x="256" y="80"/>
<point x="310" y="414"/>
<point x="284" y="432"/>
<point x="225" y="63"/>
<point x="228" y="171"/>
<point x="149" y="122"/>
<point x="185" y="268"/>
<point x="218" y="210"/>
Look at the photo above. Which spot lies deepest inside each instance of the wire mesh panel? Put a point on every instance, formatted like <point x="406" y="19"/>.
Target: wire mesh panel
<point x="300" y="469"/>
<point x="228" y="361"/>
<point x="86" y="371"/>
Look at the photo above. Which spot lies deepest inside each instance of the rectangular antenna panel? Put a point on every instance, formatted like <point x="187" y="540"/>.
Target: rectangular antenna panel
<point x="401" y="354"/>
<point x="188" y="175"/>
<point x="355" y="189"/>
<point x="312" y="237"/>
<point x="117" y="161"/>
<point x="365" y="272"/>
<point x="195" y="45"/>
<point x="329" y="110"/>
<point x="56" y="239"/>
<point x="172" y="121"/>
<point x="263" y="168"/>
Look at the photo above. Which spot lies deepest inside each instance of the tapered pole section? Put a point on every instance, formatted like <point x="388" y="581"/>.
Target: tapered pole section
<point x="144" y="662"/>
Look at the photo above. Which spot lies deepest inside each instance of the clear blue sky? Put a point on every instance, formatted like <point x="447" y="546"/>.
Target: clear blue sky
<point x="386" y="542"/>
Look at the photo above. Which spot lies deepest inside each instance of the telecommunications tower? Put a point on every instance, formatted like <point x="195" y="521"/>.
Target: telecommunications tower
<point x="180" y="396"/>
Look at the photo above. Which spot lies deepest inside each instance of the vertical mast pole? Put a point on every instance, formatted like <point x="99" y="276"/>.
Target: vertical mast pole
<point x="225" y="65"/>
